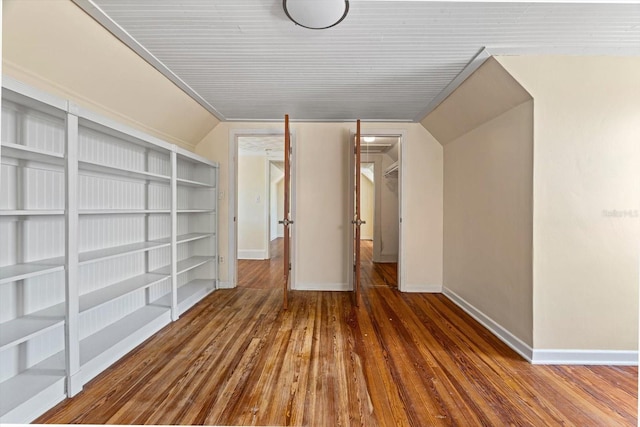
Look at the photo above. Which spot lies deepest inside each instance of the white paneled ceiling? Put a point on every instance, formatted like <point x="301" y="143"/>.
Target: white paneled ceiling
<point x="265" y="145"/>
<point x="387" y="60"/>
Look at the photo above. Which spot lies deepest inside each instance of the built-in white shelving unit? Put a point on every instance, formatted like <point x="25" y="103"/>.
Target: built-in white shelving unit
<point x="106" y="235"/>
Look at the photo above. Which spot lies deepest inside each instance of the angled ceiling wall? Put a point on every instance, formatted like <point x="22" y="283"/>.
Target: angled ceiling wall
<point x="486" y="94"/>
<point x="486" y="129"/>
<point x="58" y="48"/>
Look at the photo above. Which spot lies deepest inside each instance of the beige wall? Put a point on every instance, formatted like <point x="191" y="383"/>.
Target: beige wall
<point x="367" y="203"/>
<point x="252" y="207"/>
<point x="56" y="47"/>
<point x="488" y="184"/>
<point x="586" y="166"/>
<point x="422" y="214"/>
<point x="276" y="200"/>
<point x="388" y="209"/>
<point x="322" y="203"/>
<point x="486" y="129"/>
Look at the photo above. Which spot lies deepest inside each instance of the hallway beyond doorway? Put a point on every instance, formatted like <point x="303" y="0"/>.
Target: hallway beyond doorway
<point x="376" y="273"/>
<point x="263" y="274"/>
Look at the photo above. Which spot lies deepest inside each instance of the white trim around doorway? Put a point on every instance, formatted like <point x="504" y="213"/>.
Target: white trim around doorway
<point x="232" y="252"/>
<point x="402" y="167"/>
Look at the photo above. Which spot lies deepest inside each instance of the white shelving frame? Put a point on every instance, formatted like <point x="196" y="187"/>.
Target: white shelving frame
<point x="134" y="226"/>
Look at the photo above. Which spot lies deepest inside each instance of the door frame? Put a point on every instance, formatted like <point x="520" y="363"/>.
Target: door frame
<point x="232" y="250"/>
<point x="402" y="167"/>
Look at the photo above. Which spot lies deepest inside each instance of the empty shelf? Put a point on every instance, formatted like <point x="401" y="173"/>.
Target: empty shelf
<point x="11" y="273"/>
<point x="116" y="290"/>
<point x="114" y="170"/>
<point x="101" y="254"/>
<point x="18" y="151"/>
<point x="122" y="211"/>
<point x="103" y="348"/>
<point x="23" y="328"/>
<point x="188" y="294"/>
<point x="30" y="393"/>
<point x="195" y="210"/>
<point x="190" y="183"/>
<point x="184" y="238"/>
<point x="186" y="264"/>
<point x="31" y="212"/>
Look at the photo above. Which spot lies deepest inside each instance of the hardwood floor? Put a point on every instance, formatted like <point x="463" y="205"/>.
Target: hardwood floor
<point x="398" y="360"/>
<point x="263" y="274"/>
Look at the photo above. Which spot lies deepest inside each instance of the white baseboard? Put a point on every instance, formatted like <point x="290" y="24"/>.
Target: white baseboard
<point x="585" y="357"/>
<point x="496" y="329"/>
<point x="386" y="258"/>
<point x="225" y="285"/>
<point x="541" y="356"/>
<point x="422" y="288"/>
<point x="322" y="287"/>
<point x="252" y="254"/>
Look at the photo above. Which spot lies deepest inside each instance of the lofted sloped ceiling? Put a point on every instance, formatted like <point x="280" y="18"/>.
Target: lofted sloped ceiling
<point x="387" y="61"/>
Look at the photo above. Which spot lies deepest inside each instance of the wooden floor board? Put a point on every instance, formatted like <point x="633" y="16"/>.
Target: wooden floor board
<point x="399" y="359"/>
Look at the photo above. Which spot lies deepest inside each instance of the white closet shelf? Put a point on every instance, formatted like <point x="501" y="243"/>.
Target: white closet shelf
<point x="87" y="166"/>
<point x="185" y="265"/>
<point x="122" y="211"/>
<point x="30" y="393"/>
<point x="30" y="212"/>
<point x="24" y="328"/>
<point x="11" y="273"/>
<point x="191" y="183"/>
<point x="23" y="152"/>
<point x="392" y="170"/>
<point x="184" y="238"/>
<point x="116" y="251"/>
<point x="188" y="294"/>
<point x="101" y="349"/>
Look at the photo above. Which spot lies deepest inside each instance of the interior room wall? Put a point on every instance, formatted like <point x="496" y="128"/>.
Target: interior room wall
<point x="322" y="217"/>
<point x="488" y="184"/>
<point x="280" y="205"/>
<point x="387" y="190"/>
<point x="56" y="47"/>
<point x="367" y="198"/>
<point x="276" y="202"/>
<point x="586" y="199"/>
<point x="252" y="207"/>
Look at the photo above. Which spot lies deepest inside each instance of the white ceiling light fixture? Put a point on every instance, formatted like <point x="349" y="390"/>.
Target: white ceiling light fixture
<point x="316" y="14"/>
<point x="369" y="139"/>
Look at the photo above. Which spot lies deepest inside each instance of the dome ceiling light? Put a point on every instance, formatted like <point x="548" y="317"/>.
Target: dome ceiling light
<point x="316" y="14"/>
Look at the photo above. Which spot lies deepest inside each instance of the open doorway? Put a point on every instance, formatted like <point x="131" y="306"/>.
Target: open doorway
<point x="260" y="203"/>
<point x="380" y="209"/>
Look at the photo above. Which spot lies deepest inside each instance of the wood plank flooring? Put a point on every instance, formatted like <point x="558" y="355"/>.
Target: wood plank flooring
<point x="263" y="274"/>
<point x="398" y="360"/>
